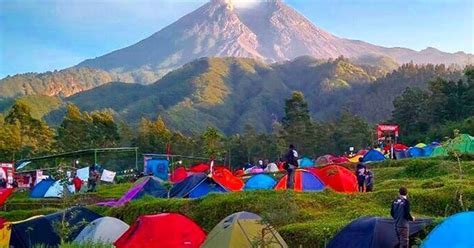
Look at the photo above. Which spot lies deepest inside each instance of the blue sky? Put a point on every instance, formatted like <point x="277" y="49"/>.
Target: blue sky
<point x="42" y="35"/>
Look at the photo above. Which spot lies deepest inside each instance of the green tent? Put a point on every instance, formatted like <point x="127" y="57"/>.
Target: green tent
<point x="464" y="144"/>
<point x="243" y="229"/>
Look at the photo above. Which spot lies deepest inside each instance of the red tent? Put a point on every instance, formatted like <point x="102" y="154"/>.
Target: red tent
<point x="166" y="230"/>
<point x="4" y="194"/>
<point x="362" y="152"/>
<point x="400" y="147"/>
<point x="338" y="178"/>
<point x="239" y="173"/>
<point x="225" y="178"/>
<point x="179" y="174"/>
<point x="199" y="168"/>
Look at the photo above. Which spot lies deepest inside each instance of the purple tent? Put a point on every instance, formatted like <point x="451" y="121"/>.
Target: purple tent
<point x="148" y="186"/>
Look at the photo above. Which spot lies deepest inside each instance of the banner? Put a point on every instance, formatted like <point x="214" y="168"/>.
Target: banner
<point x="387" y="128"/>
<point x="39" y="176"/>
<point x="107" y="176"/>
<point x="83" y="173"/>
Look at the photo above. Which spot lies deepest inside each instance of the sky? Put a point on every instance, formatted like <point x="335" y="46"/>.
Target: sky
<point x="44" y="35"/>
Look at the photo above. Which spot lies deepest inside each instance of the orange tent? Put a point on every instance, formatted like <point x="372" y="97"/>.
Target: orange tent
<point x="225" y="178"/>
<point x="165" y="230"/>
<point x="338" y="178"/>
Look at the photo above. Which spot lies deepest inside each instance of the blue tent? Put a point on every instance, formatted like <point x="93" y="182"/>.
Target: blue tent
<point x="400" y="154"/>
<point x="158" y="167"/>
<point x="153" y="188"/>
<point x="40" y="231"/>
<point x="41" y="188"/>
<point x="196" y="186"/>
<point x="427" y="150"/>
<point x="416" y="152"/>
<point x="372" y="232"/>
<point x="260" y="181"/>
<point x="373" y="155"/>
<point x="455" y="231"/>
<point x="305" y="162"/>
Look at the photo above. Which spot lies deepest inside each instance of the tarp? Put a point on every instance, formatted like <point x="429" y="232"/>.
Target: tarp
<point x="373" y="155"/>
<point x="83" y="173"/>
<point x="260" y="181"/>
<point x="4" y="194"/>
<point x="105" y="230"/>
<point x="162" y="231"/>
<point x="305" y="162"/>
<point x="304" y="181"/>
<point x="337" y="178"/>
<point x="243" y="229"/>
<point x="455" y="231"/>
<point x="179" y="174"/>
<point x="196" y="185"/>
<point x="41" y="188"/>
<point x="158" y="168"/>
<point x="416" y="152"/>
<point x="147" y="186"/>
<point x="372" y="232"/>
<point x="225" y="178"/>
<point x="40" y="230"/>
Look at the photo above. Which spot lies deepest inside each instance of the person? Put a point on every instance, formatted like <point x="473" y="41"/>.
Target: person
<point x="93" y="178"/>
<point x="3" y="178"/>
<point x="77" y="183"/>
<point x="291" y="163"/>
<point x="400" y="212"/>
<point x="260" y="164"/>
<point x="369" y="181"/>
<point x="360" y="174"/>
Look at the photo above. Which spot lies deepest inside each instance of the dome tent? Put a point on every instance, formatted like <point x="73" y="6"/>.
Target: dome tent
<point x="166" y="230"/>
<point x="304" y="181"/>
<point x="196" y="185"/>
<point x="455" y="231"/>
<point x="373" y="156"/>
<point x="305" y="162"/>
<point x="338" y="178"/>
<point x="102" y="230"/>
<point x="243" y="229"/>
<point x="260" y="181"/>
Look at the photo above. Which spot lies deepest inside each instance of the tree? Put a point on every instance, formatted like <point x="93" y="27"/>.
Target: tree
<point x="213" y="143"/>
<point x="351" y="130"/>
<point x="153" y="136"/>
<point x="74" y="131"/>
<point x="104" y="132"/>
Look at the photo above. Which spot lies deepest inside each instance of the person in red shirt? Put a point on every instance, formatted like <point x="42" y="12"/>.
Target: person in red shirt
<point x="77" y="183"/>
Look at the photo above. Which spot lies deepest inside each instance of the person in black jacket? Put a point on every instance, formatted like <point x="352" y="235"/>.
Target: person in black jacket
<point x="360" y="174"/>
<point x="291" y="163"/>
<point x="401" y="214"/>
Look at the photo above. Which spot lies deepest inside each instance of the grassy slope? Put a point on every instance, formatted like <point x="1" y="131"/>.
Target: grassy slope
<point x="312" y="219"/>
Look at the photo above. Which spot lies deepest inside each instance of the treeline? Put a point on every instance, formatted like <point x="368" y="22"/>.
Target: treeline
<point x="22" y="136"/>
<point x="433" y="113"/>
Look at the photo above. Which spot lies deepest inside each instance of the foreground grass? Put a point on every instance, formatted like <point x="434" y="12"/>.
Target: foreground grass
<point x="312" y="219"/>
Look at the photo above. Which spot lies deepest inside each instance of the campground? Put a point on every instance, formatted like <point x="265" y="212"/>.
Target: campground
<point x="306" y="219"/>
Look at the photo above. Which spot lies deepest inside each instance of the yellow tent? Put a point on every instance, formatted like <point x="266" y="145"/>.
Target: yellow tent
<point x="5" y="232"/>
<point x="355" y="159"/>
<point x="420" y="145"/>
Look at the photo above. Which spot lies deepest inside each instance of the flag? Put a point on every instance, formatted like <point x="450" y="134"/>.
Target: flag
<point x="107" y="176"/>
<point x="83" y="173"/>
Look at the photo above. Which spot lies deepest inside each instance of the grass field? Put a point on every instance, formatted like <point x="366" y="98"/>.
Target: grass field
<point x="307" y="219"/>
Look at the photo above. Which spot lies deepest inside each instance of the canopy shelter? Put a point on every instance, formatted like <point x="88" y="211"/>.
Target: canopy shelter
<point x="455" y="231"/>
<point x="40" y="231"/>
<point x="243" y="229"/>
<point x="105" y="230"/>
<point x="303" y="181"/>
<point x="165" y="230"/>
<point x="151" y="186"/>
<point x="373" y="232"/>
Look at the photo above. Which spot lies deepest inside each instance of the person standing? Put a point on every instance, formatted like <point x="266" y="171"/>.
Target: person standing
<point x="3" y="178"/>
<point x="369" y="181"/>
<point x="291" y="164"/>
<point x="400" y="212"/>
<point x="360" y="174"/>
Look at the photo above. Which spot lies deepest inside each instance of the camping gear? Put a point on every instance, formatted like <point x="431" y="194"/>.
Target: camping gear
<point x="224" y="177"/>
<point x="400" y="154"/>
<point x="463" y="144"/>
<point x="40" y="230"/>
<point x="158" y="168"/>
<point x="196" y="185"/>
<point x="179" y="174"/>
<point x="455" y="231"/>
<point x="147" y="186"/>
<point x="48" y="188"/>
<point x="355" y="159"/>
<point x="362" y="152"/>
<point x="338" y="178"/>
<point x="260" y="181"/>
<point x="304" y="181"/>
<point x="373" y="156"/>
<point x="165" y="230"/>
<point x="243" y="229"/>
<point x="420" y="145"/>
<point x="416" y="152"/>
<point x="373" y="232"/>
<point x="305" y="162"/>
<point x="400" y="147"/>
<point x="105" y="230"/>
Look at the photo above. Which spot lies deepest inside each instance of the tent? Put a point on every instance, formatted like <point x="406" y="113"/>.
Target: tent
<point x="304" y="181"/>
<point x="260" y="181"/>
<point x="420" y="145"/>
<point x="6" y="229"/>
<point x="341" y="160"/>
<point x="400" y="147"/>
<point x="326" y="159"/>
<point x="372" y="232"/>
<point x="243" y="229"/>
<point x="463" y="144"/>
<point x="225" y="178"/>
<point x="4" y="194"/>
<point x="373" y="155"/>
<point x="400" y="154"/>
<point x="41" y="188"/>
<point x="305" y="162"/>
<point x="158" y="168"/>
<point x="355" y="159"/>
<point x="199" y="168"/>
<point x="105" y="230"/>
<point x="416" y="152"/>
<point x="147" y="186"/>
<point x="178" y="175"/>
<point x="362" y="152"/>
<point x="40" y="230"/>
<point x="196" y="185"/>
<point x="165" y="230"/>
<point x="338" y="178"/>
<point x="455" y="231"/>
<point x="271" y="167"/>
<point x="427" y="150"/>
